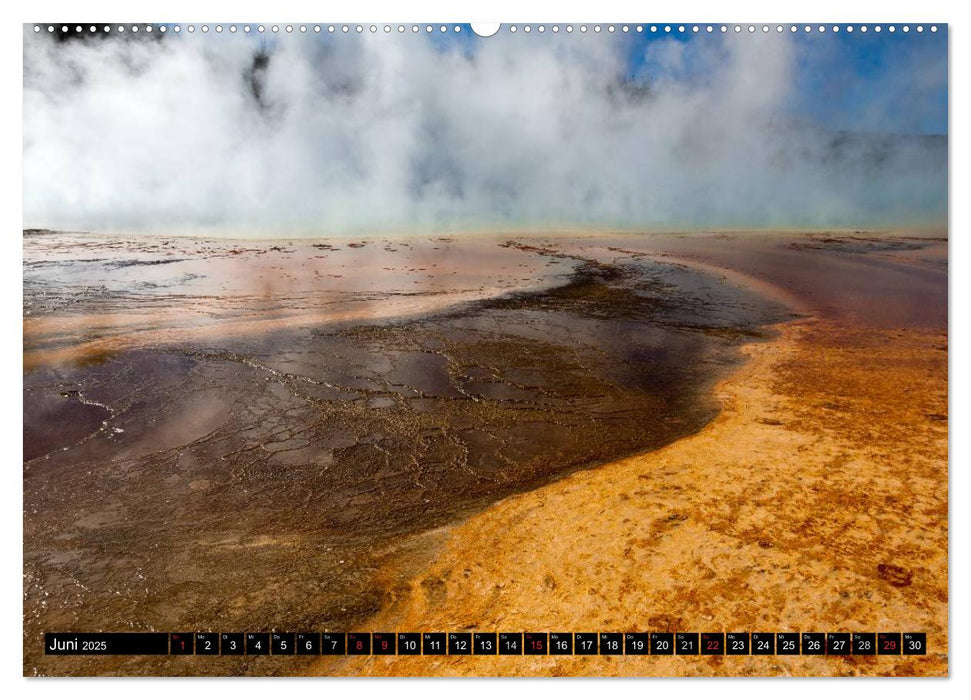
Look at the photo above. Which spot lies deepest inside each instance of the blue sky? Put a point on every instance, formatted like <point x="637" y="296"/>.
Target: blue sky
<point x="882" y="81"/>
<point x="892" y="82"/>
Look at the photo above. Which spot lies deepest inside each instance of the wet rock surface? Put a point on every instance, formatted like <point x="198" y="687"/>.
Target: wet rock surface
<point x="257" y="481"/>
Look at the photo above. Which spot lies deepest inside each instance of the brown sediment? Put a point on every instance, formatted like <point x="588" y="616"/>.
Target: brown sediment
<point x="311" y="477"/>
<point x="264" y="480"/>
<point x="815" y="501"/>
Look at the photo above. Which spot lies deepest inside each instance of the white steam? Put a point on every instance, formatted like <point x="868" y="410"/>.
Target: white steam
<point x="393" y="133"/>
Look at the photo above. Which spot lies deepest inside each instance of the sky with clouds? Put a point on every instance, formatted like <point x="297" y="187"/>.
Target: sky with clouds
<point x="317" y="134"/>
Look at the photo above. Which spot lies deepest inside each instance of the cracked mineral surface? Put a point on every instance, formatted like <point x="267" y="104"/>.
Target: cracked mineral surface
<point x="237" y="435"/>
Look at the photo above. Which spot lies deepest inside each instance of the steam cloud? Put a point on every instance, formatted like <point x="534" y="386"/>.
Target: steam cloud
<point x="327" y="134"/>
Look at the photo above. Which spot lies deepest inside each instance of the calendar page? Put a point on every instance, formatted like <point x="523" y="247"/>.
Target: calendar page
<point x="437" y="349"/>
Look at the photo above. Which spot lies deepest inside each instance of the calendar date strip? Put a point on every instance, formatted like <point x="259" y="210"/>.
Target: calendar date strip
<point x="487" y="643"/>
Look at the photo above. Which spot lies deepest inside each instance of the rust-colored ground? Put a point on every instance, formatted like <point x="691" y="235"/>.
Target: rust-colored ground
<point x="816" y="501"/>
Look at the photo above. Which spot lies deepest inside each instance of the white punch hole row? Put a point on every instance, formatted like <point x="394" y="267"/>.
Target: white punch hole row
<point x="482" y="30"/>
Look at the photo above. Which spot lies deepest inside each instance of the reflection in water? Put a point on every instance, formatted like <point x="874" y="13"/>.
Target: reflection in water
<point x="88" y="295"/>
